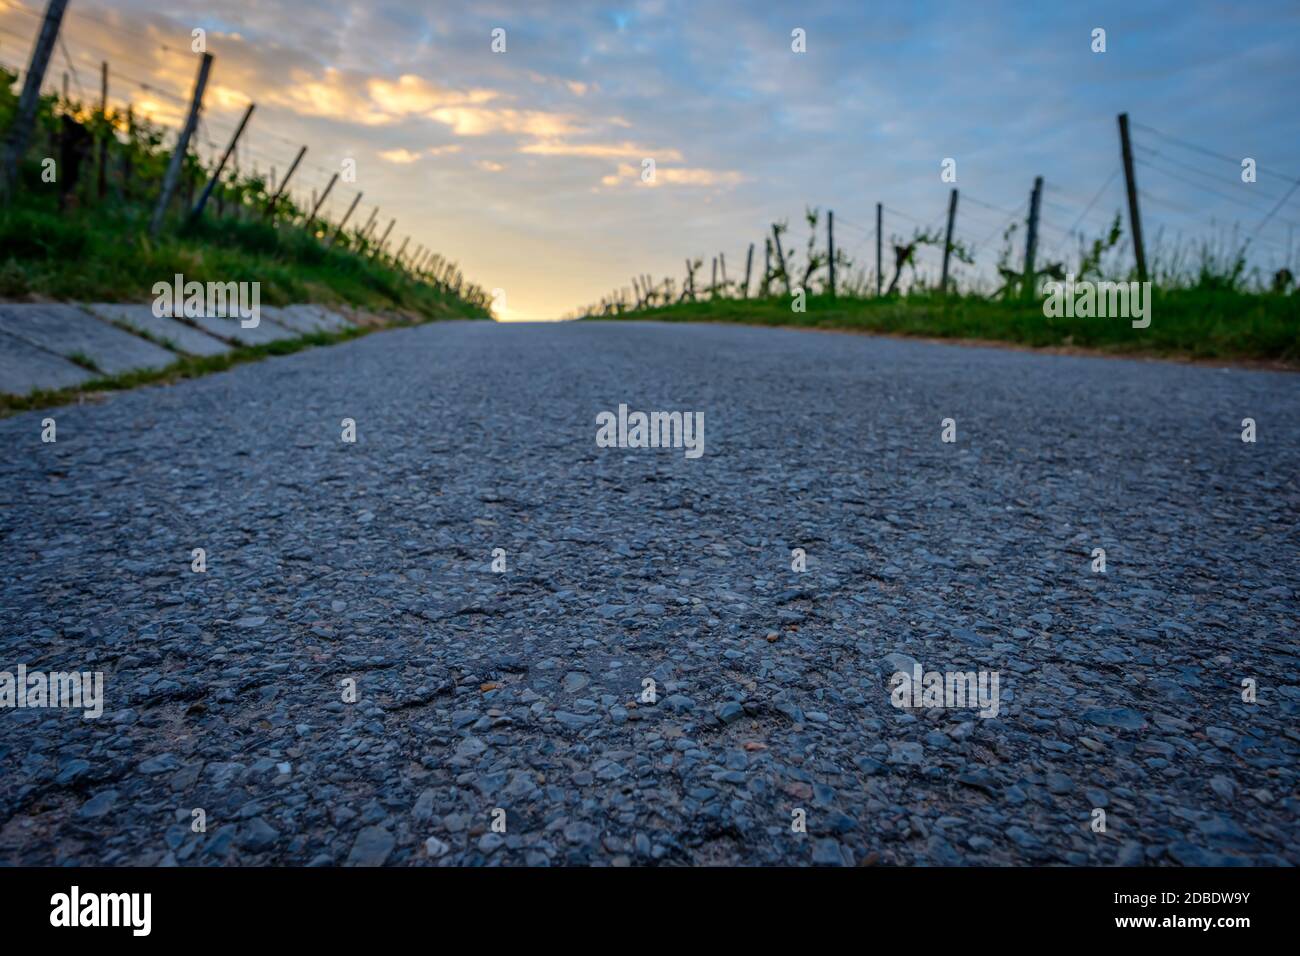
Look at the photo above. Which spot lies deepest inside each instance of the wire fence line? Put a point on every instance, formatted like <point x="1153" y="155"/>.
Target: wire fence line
<point x="116" y="104"/>
<point x="1197" y="170"/>
<point x="1097" y="232"/>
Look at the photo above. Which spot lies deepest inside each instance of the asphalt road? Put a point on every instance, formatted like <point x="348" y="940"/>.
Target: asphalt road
<point x="516" y="697"/>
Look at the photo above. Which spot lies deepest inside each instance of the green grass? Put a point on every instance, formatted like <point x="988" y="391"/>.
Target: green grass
<point x="97" y="247"/>
<point x="84" y="360"/>
<point x="103" y="254"/>
<point x="186" y="366"/>
<point x="1185" y="323"/>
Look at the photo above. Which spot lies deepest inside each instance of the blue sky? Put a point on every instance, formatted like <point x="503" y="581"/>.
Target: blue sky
<point x="524" y="165"/>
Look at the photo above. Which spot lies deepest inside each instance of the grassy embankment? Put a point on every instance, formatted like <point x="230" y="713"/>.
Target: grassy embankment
<point x="64" y="240"/>
<point x="1206" y="301"/>
<point x="1185" y="323"/>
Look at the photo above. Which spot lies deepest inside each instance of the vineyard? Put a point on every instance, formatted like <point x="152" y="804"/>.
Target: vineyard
<point x="103" y="199"/>
<point x="1220" y="290"/>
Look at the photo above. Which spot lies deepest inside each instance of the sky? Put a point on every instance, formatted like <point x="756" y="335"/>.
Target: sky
<point x="525" y="166"/>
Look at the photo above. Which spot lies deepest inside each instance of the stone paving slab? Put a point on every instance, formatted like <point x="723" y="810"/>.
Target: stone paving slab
<point x="327" y="320"/>
<point x="42" y="337"/>
<point x="25" y="368"/>
<point x="182" y="337"/>
<point x="69" y="330"/>
<point x="306" y="319"/>
<point x="231" y="330"/>
<point x="298" y="323"/>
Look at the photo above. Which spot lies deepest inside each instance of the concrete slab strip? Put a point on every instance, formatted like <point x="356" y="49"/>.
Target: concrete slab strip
<point x="182" y="337"/>
<point x="25" y="368"/>
<point x="230" y="329"/>
<point x="287" y="319"/>
<point x="68" y="330"/>
<point x="37" y="340"/>
<point x="325" y="319"/>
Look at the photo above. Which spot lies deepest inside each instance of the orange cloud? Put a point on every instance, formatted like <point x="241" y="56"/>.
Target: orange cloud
<point x="478" y="121"/>
<point x="400" y="156"/>
<point x="160" y="111"/>
<point x="679" y="176"/>
<point x="226" y="98"/>
<point x="333" y="95"/>
<point x="413" y="94"/>
<point x="376" y="102"/>
<point x="624" y="150"/>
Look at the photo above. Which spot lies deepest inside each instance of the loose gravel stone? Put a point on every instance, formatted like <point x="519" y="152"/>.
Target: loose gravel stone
<point x="372" y="846"/>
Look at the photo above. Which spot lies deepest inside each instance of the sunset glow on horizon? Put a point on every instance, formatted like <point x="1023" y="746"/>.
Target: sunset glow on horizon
<point x="524" y="166"/>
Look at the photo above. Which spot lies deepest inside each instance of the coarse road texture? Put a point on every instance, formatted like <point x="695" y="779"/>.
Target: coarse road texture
<point x="330" y="562"/>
